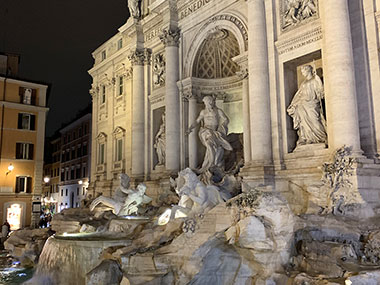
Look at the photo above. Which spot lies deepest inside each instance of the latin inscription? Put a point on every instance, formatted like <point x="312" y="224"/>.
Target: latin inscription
<point x="193" y="7"/>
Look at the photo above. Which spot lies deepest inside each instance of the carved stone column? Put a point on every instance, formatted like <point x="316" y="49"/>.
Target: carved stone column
<point x="193" y="147"/>
<point x="260" y="122"/>
<point x="170" y="38"/>
<point x="137" y="60"/>
<point x="243" y="74"/>
<point x="339" y="76"/>
<point x="147" y="90"/>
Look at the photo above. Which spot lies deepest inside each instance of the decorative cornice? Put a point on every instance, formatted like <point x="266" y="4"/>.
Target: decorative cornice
<point x="137" y="57"/>
<point x="285" y="46"/>
<point x="170" y="37"/>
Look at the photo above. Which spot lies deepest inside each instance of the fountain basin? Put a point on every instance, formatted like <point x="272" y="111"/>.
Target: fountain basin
<point x="66" y="259"/>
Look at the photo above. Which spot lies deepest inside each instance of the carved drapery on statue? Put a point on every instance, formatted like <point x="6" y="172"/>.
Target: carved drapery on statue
<point x="159" y="70"/>
<point x="306" y="109"/>
<point x="297" y="11"/>
<point x="212" y="133"/>
<point x="134" y="8"/>
<point x="160" y="142"/>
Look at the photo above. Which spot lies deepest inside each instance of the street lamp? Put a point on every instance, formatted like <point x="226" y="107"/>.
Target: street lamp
<point x="10" y="168"/>
<point x="46" y="179"/>
<point x="80" y="182"/>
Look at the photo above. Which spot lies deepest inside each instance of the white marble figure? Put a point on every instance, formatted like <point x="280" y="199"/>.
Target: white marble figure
<point x="125" y="201"/>
<point x="160" y="142"/>
<point x="298" y="10"/>
<point x="135" y="199"/>
<point x="195" y="197"/>
<point x="306" y="109"/>
<point x="134" y="9"/>
<point x="159" y="70"/>
<point x="212" y="133"/>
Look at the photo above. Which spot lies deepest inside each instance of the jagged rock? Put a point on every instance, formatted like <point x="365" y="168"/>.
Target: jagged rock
<point x="365" y="278"/>
<point x="108" y="272"/>
<point x="27" y="244"/>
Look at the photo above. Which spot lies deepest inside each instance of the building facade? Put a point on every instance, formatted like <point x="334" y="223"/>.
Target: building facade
<point x="74" y="169"/>
<point x="22" y="131"/>
<point x="259" y="59"/>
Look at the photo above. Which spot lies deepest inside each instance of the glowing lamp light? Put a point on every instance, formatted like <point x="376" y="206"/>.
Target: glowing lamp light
<point x="10" y="168"/>
<point x="80" y="182"/>
<point x="348" y="282"/>
<point x="46" y="179"/>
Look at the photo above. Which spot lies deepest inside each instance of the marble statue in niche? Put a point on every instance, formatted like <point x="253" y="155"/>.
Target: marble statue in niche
<point x="159" y="70"/>
<point x="306" y="109"/>
<point x="134" y="9"/>
<point x="212" y="133"/>
<point x="160" y="142"/>
<point x="298" y="10"/>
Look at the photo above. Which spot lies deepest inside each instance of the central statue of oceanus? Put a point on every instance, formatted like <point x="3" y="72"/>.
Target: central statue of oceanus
<point x="212" y="133"/>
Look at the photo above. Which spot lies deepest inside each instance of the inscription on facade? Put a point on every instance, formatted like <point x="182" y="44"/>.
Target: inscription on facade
<point x="192" y="7"/>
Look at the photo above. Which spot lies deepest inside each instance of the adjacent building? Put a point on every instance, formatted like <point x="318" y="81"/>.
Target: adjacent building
<point x="22" y="131"/>
<point x="74" y="173"/>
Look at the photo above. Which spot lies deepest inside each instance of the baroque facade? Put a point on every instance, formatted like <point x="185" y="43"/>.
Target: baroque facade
<point x="297" y="78"/>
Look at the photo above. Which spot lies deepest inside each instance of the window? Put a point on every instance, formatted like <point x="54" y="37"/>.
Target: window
<point x="104" y="55"/>
<point x="62" y="175"/>
<point x="24" y="151"/>
<point x="67" y="193"/>
<point x="120" y="44"/>
<point x="72" y="174"/>
<point x="73" y="153"/>
<point x="68" y="138"/>
<point x="27" y="96"/>
<point x="84" y="171"/>
<point x="23" y="184"/>
<point x="77" y="174"/>
<point x="119" y="150"/>
<point x="85" y="149"/>
<point x="101" y="153"/>
<point x="63" y="156"/>
<point x="67" y="155"/>
<point x="26" y="121"/>
<point x="120" y="85"/>
<point x="103" y="97"/>
<point x="61" y="193"/>
<point x="80" y="131"/>
<point x="79" y="151"/>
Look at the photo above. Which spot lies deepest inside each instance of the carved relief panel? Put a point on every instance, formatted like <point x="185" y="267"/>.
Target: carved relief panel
<point x="296" y="12"/>
<point x="159" y="70"/>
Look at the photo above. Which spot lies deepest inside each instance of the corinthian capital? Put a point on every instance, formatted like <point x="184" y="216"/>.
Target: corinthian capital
<point x="137" y="57"/>
<point x="170" y="37"/>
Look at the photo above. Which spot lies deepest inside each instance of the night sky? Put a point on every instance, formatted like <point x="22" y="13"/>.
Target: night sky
<point x="55" y="39"/>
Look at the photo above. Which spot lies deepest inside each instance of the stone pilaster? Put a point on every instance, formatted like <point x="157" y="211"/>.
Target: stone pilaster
<point x="243" y="75"/>
<point x="339" y="76"/>
<point x="147" y="90"/>
<point x="170" y="38"/>
<point x="260" y="122"/>
<point x="193" y="147"/>
<point x="137" y="59"/>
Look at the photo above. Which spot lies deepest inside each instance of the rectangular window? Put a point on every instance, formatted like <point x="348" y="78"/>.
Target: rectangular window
<point x="61" y="192"/>
<point x="24" y="151"/>
<point x="27" y="96"/>
<point x="101" y="153"/>
<point x="104" y="55"/>
<point x="103" y="97"/>
<point x="120" y="44"/>
<point x="120" y="85"/>
<point x="84" y="149"/>
<point x="73" y="153"/>
<point x="77" y="172"/>
<point x="84" y="171"/>
<point x="79" y="151"/>
<point x="72" y="174"/>
<point x="119" y="150"/>
<point x="67" y="192"/>
<point x="26" y="121"/>
<point x="23" y="184"/>
<point x="63" y="176"/>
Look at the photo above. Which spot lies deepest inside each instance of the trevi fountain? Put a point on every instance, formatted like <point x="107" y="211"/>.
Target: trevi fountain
<point x="233" y="142"/>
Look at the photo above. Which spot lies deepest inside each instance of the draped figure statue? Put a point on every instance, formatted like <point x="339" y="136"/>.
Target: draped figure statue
<point x="306" y="109"/>
<point x="160" y="142"/>
<point x="212" y="133"/>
